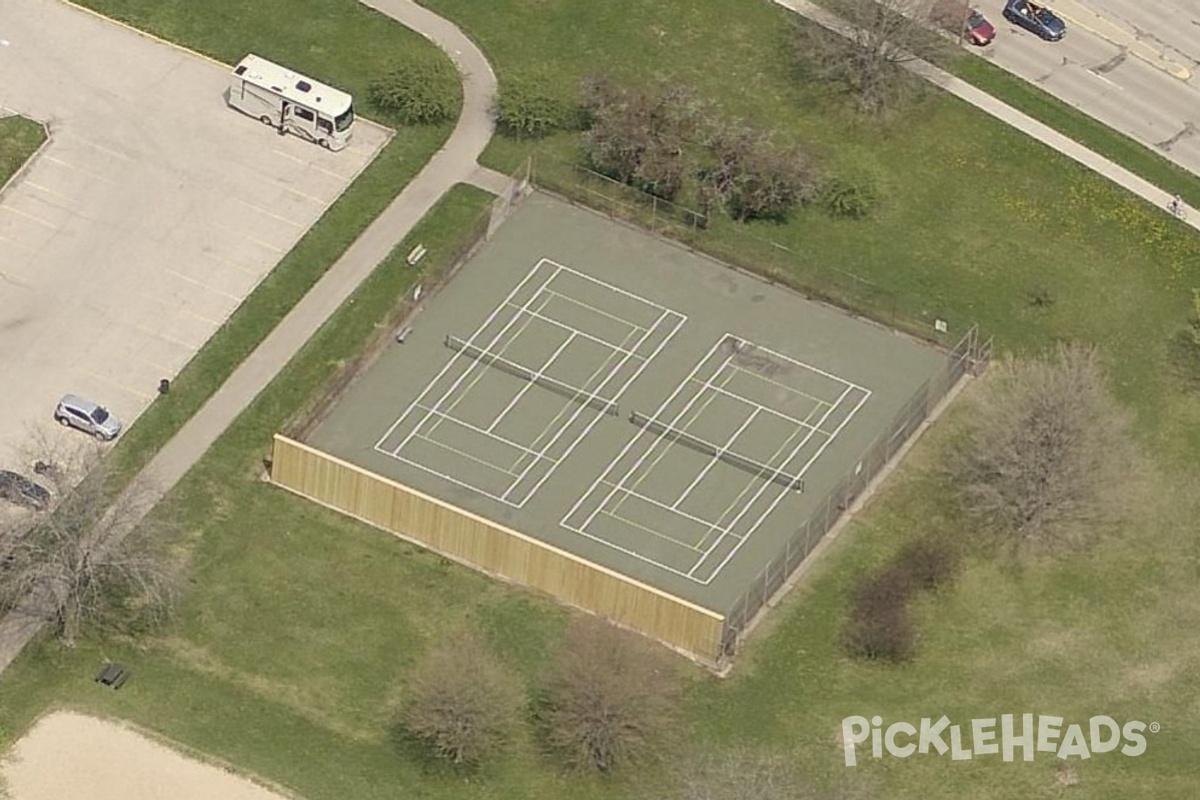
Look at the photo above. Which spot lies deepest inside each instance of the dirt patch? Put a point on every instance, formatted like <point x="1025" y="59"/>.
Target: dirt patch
<point x="72" y="755"/>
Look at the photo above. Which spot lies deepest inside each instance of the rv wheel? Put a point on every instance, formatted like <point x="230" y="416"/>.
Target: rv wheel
<point x="324" y="143"/>
<point x="264" y="119"/>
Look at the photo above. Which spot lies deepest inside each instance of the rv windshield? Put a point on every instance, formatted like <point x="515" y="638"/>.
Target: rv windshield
<point x="344" y="121"/>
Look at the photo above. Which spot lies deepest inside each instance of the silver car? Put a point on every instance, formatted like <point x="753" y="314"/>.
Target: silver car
<point x="89" y="417"/>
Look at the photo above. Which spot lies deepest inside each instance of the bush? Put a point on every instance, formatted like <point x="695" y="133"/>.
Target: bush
<point x="639" y="135"/>
<point x="420" y="89"/>
<point x="610" y="698"/>
<point x="931" y="562"/>
<point x="752" y="176"/>
<point x="850" y="195"/>
<point x="461" y="703"/>
<point x="533" y="104"/>
<point x="880" y="626"/>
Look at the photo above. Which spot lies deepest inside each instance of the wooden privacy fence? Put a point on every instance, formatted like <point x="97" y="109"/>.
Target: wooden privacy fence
<point x="474" y="541"/>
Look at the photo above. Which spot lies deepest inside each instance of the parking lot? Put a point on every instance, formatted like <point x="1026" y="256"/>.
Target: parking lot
<point x="152" y="213"/>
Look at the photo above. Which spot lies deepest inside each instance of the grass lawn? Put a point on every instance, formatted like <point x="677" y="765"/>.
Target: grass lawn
<point x="300" y="625"/>
<point x="19" y="138"/>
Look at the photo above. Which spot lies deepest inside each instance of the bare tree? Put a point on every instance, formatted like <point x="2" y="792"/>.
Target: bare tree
<point x="461" y="702"/>
<point x="610" y="697"/>
<point x="638" y="135"/>
<point x="81" y="562"/>
<point x="873" y="41"/>
<point x="1049" y="447"/>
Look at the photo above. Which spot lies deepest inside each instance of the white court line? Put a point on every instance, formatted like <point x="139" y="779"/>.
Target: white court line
<point x="707" y="523"/>
<point x="430" y="388"/>
<point x="594" y="310"/>
<point x="442" y="475"/>
<point x="803" y="471"/>
<point x="662" y="447"/>
<point x="650" y="531"/>
<point x="479" y="370"/>
<point x="746" y="507"/>
<point x="604" y="365"/>
<point x="755" y="404"/>
<point x="538" y="373"/>
<point x="571" y="328"/>
<point x="447" y="419"/>
<point x="450" y="363"/>
<point x="783" y="386"/>
<point x="802" y="365"/>
<point x="465" y="455"/>
<point x="600" y="414"/>
<point x="725" y="448"/>
<point x="629" y="445"/>
<point x="617" y="289"/>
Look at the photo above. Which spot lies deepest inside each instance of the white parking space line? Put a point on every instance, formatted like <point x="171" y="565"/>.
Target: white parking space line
<point x="303" y="195"/>
<point x="13" y="243"/>
<point x="51" y="192"/>
<point x="202" y="285"/>
<point x="9" y="208"/>
<point x="106" y="150"/>
<point x="118" y="385"/>
<point x="269" y="213"/>
<point x="78" y="170"/>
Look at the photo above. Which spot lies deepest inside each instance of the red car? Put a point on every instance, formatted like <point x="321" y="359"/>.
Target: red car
<point x="977" y="29"/>
<point x="963" y="22"/>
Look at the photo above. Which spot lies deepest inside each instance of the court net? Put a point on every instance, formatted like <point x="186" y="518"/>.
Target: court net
<point x="524" y="373"/>
<point x="756" y="468"/>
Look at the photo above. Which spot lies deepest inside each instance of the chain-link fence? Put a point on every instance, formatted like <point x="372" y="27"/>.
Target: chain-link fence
<point x="970" y="355"/>
<point x="743" y="245"/>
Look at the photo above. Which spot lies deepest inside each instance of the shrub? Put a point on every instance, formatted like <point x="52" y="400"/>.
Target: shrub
<point x="461" y="703"/>
<point x="532" y="103"/>
<point x="419" y="89"/>
<point x="752" y="176"/>
<point x="930" y="562"/>
<point x="850" y="195"/>
<point x="609" y="698"/>
<point x="639" y="135"/>
<point x="880" y="627"/>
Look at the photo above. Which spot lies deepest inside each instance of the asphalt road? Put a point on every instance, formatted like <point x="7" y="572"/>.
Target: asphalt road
<point x="1129" y="64"/>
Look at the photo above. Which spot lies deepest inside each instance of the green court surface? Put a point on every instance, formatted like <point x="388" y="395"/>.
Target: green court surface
<point x="628" y="401"/>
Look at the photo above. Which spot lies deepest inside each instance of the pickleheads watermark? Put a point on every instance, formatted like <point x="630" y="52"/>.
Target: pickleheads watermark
<point x="1003" y="736"/>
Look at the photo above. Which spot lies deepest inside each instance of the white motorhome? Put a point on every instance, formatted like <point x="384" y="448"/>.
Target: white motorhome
<point x="290" y="102"/>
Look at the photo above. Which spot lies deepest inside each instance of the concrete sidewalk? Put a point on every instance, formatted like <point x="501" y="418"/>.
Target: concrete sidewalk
<point x="1009" y="116"/>
<point x="454" y="163"/>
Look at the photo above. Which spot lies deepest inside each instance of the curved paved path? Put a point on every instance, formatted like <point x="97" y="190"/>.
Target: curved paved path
<point x="455" y="163"/>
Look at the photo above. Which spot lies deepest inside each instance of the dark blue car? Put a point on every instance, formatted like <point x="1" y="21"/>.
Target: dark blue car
<point x="1036" y="19"/>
